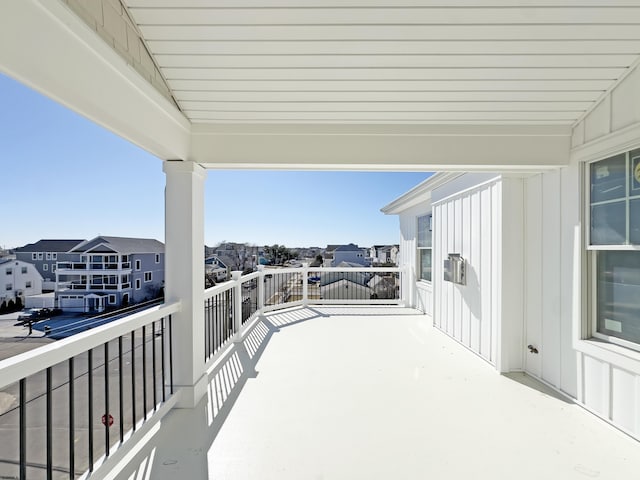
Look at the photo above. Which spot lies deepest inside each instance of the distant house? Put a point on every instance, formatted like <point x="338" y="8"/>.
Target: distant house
<point x="350" y="253"/>
<point x="44" y="254"/>
<point x="216" y="268"/>
<point x="110" y="272"/>
<point x="18" y="279"/>
<point x="384" y="253"/>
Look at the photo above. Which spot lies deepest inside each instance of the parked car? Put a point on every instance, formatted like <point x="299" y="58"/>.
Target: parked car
<point x="34" y="314"/>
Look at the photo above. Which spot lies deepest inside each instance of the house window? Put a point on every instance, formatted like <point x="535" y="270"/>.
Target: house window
<point x="138" y="265"/>
<point x="613" y="241"/>
<point x="45" y="267"/>
<point x="9" y="286"/>
<point x="157" y="258"/>
<point x="138" y="284"/>
<point x="40" y="256"/>
<point x="148" y="276"/>
<point x="54" y="256"/>
<point x="424" y="247"/>
<point x="9" y="271"/>
<point x="112" y="300"/>
<point x="34" y="256"/>
<point x="23" y="269"/>
<point x="48" y="256"/>
<point x="27" y="284"/>
<point x="53" y="267"/>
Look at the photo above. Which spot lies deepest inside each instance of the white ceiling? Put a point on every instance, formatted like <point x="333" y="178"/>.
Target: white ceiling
<point x="380" y="62"/>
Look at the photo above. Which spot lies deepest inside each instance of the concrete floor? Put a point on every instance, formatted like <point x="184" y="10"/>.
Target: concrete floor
<point x="376" y="393"/>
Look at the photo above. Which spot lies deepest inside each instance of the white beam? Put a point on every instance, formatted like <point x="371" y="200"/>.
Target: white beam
<point x="381" y="147"/>
<point x="48" y="48"/>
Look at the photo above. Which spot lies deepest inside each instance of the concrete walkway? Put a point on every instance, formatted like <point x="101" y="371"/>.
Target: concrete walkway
<point x="377" y="393"/>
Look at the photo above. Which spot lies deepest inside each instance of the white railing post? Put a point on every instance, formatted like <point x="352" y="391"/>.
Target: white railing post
<point x="260" y="280"/>
<point x="236" y="278"/>
<point x="305" y="284"/>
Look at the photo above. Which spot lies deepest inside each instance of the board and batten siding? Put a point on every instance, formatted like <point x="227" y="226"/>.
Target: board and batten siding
<point x="607" y="377"/>
<point x="468" y="223"/>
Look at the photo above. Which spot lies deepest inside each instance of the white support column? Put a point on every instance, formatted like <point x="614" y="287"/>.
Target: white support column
<point x="236" y="277"/>
<point x="184" y="275"/>
<point x="260" y="281"/>
<point x="305" y="284"/>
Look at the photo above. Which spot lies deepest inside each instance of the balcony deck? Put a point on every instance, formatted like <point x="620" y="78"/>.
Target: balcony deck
<point x="376" y="393"/>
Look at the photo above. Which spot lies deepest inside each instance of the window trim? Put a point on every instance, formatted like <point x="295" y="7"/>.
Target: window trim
<point x="419" y="249"/>
<point x="590" y="252"/>
<point x="138" y="265"/>
<point x="150" y="273"/>
<point x="138" y="284"/>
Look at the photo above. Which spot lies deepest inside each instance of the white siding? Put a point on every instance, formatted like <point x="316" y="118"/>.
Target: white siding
<point x="469" y="224"/>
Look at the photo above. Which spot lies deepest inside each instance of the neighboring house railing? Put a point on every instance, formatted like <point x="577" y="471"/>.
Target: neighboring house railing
<point x="97" y="388"/>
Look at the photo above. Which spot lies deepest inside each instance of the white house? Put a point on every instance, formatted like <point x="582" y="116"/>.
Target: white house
<point x="549" y="280"/>
<point x="18" y="279"/>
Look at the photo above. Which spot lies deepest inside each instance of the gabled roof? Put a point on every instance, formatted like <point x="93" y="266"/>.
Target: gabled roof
<point x="49" y="245"/>
<point x="348" y="248"/>
<point x="121" y="245"/>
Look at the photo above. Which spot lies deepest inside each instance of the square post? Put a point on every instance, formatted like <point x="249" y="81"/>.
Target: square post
<point x="184" y="275"/>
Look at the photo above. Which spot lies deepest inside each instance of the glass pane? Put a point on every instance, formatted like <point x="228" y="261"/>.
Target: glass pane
<point x="618" y="291"/>
<point x="425" y="264"/>
<point x="634" y="172"/>
<point x="608" y="179"/>
<point x="424" y="231"/>
<point x="634" y="222"/>
<point x="608" y="224"/>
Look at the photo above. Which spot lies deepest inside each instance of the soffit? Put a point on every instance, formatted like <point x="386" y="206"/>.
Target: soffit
<point x="503" y="62"/>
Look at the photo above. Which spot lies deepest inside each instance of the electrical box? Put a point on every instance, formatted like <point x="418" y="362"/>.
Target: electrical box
<point x="454" y="269"/>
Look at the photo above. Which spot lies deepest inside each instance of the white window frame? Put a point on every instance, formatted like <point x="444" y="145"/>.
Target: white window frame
<point x="138" y="284"/>
<point x="592" y="252"/>
<point x="45" y="267"/>
<point x="420" y="249"/>
<point x="148" y="274"/>
<point x="47" y="256"/>
<point x="111" y="300"/>
<point x="34" y="256"/>
<point x="138" y="265"/>
<point x="157" y="258"/>
<point x="40" y="256"/>
<point x="54" y="256"/>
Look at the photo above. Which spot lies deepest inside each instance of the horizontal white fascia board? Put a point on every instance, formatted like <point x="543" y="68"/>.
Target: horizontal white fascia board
<point x="61" y="57"/>
<point x="379" y="3"/>
<point x="390" y="32"/>
<point x="386" y="147"/>
<point x="428" y="75"/>
<point x="391" y="14"/>
<point x="390" y="47"/>
<point x="421" y="193"/>
<point x="396" y="61"/>
<point x="347" y="83"/>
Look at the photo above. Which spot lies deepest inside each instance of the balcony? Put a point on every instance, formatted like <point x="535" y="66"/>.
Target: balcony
<point x="66" y="268"/>
<point x="296" y="386"/>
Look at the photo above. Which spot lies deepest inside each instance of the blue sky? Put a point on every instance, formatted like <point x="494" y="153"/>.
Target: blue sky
<point x="64" y="177"/>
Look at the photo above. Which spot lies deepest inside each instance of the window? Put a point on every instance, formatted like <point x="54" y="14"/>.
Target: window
<point x="613" y="241"/>
<point x="48" y="256"/>
<point x="148" y="276"/>
<point x="39" y="255"/>
<point x="34" y="256"/>
<point x="112" y="300"/>
<point x="54" y="256"/>
<point x="27" y="285"/>
<point x="424" y="247"/>
<point x="23" y="270"/>
<point x="45" y="267"/>
<point x="138" y="284"/>
<point x="9" y="271"/>
<point x="53" y="267"/>
<point x="157" y="258"/>
<point x="138" y="265"/>
<point x="9" y="286"/>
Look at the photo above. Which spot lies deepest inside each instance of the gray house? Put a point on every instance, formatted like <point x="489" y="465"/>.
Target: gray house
<point x="44" y="254"/>
<point x="110" y="272"/>
<point x="350" y="253"/>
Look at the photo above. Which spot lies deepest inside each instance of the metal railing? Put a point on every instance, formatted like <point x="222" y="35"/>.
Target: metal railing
<point x="94" y="389"/>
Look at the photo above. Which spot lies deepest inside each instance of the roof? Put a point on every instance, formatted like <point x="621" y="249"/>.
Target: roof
<point x="121" y="245"/>
<point x="348" y="248"/>
<point x="50" y="245"/>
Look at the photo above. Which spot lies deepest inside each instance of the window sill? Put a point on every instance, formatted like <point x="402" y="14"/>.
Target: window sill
<point x="608" y="352"/>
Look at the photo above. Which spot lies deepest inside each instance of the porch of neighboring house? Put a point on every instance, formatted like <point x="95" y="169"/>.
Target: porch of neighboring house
<point x="326" y="392"/>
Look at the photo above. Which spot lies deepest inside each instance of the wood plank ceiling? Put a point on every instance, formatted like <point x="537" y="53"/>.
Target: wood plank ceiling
<point x="386" y="61"/>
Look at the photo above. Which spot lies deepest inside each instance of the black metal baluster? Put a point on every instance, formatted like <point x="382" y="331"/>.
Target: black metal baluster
<point x="23" y="429"/>
<point x="90" y="409"/>
<point x="107" y="416"/>
<point x="171" y="353"/>
<point x="49" y="426"/>
<point x="207" y="342"/>
<point x="153" y="364"/>
<point x="163" y="320"/>
<point x="72" y="433"/>
<point x="121" y="389"/>
<point x="133" y="379"/>
<point x="144" y="372"/>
